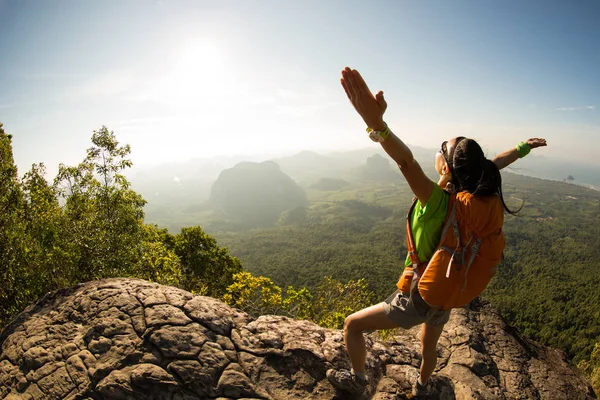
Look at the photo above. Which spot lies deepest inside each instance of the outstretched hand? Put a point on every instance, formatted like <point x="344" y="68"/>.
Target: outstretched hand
<point x="536" y="142"/>
<point x="371" y="108"/>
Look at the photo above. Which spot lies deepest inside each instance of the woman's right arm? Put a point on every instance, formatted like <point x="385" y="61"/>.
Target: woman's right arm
<point x="371" y="109"/>
<point x="419" y="183"/>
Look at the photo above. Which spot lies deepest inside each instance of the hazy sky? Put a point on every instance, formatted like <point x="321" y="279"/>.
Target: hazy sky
<point x="178" y="79"/>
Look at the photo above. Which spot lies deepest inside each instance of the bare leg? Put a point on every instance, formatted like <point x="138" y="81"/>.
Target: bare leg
<point x="429" y="339"/>
<point x="371" y="318"/>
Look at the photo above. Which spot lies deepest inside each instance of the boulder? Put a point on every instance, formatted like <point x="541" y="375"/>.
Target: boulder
<point x="131" y="339"/>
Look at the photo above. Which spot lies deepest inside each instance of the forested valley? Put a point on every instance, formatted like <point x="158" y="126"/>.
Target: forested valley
<point x="548" y="285"/>
<point x="340" y="248"/>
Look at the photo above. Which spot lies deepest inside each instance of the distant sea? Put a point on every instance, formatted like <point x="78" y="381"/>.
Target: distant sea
<point x="558" y="170"/>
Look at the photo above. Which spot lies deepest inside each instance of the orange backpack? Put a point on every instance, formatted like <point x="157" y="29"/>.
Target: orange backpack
<point x="467" y="256"/>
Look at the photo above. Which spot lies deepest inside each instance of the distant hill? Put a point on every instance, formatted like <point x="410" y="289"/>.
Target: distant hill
<point x="330" y="184"/>
<point x="256" y="193"/>
<point x="379" y="168"/>
<point x="177" y="192"/>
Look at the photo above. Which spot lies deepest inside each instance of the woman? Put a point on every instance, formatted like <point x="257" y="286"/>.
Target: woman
<point x="462" y="166"/>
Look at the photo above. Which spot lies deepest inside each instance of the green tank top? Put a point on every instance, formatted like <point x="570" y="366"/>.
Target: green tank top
<point x="427" y="223"/>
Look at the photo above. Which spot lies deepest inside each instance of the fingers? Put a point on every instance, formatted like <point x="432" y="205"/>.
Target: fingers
<point x="369" y="107"/>
<point x="345" y="86"/>
<point x="354" y="83"/>
<point x="381" y="100"/>
<point x="537" y="142"/>
<point x="360" y="82"/>
<point x="349" y="83"/>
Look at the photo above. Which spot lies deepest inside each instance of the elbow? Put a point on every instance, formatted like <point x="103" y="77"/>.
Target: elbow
<point x="406" y="164"/>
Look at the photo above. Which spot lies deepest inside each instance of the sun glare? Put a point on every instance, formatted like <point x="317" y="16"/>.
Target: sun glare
<point x="199" y="74"/>
<point x="200" y="57"/>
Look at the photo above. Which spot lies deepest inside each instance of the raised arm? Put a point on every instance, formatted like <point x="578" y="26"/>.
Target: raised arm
<point x="371" y="109"/>
<point x="503" y="160"/>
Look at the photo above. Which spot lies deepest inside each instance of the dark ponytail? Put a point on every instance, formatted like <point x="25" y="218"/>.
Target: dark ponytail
<point x="472" y="172"/>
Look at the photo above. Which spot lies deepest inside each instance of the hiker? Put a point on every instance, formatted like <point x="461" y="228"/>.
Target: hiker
<point x="469" y="185"/>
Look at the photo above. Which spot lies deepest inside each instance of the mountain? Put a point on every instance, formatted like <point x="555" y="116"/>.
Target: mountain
<point x="131" y="339"/>
<point x="379" y="168"/>
<point x="256" y="193"/>
<point x="177" y="192"/>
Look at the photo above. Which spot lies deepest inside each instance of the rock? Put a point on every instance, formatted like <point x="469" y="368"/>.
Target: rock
<point x="130" y="339"/>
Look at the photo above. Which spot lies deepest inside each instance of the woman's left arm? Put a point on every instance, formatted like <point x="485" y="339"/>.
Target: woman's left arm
<point x="503" y="160"/>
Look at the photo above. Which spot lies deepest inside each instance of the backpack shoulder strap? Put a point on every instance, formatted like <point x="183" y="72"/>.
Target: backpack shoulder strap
<point x="450" y="221"/>
<point x="410" y="242"/>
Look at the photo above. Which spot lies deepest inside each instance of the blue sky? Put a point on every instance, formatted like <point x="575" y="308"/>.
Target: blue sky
<point x="178" y="80"/>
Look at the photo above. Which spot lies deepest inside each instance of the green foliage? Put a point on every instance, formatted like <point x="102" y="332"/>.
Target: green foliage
<point x="104" y="216"/>
<point x="98" y="231"/>
<point x="347" y="240"/>
<point x="254" y="295"/>
<point x="44" y="225"/>
<point x="159" y="263"/>
<point x="299" y="303"/>
<point x="332" y="302"/>
<point x="548" y="286"/>
<point x="14" y="244"/>
<point x="591" y="368"/>
<point x="206" y="268"/>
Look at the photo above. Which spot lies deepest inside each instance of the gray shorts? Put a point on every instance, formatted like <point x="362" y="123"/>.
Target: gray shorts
<point x="407" y="311"/>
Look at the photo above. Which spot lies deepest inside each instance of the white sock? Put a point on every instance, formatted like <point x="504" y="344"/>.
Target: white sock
<point x="419" y="381"/>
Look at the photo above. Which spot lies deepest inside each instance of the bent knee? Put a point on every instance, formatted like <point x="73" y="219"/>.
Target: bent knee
<point x="351" y="324"/>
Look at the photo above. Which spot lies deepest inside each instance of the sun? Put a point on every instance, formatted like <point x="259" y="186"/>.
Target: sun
<point x="199" y="57"/>
<point x="199" y="73"/>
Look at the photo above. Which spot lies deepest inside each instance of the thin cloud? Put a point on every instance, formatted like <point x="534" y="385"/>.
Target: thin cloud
<point x="107" y="84"/>
<point x="137" y="123"/>
<point x="575" y="108"/>
<point x="51" y="76"/>
<point x="303" y="110"/>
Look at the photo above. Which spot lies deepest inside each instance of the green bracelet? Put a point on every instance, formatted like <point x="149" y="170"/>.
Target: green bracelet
<point x="381" y="135"/>
<point x="523" y="148"/>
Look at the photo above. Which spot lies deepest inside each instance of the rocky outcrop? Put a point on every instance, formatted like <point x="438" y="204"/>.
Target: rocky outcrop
<point x="130" y="339"/>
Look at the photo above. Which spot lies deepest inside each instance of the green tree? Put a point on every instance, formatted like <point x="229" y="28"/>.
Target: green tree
<point x="591" y="368"/>
<point x="299" y="303"/>
<point x="255" y="295"/>
<point x="51" y="255"/>
<point x="105" y="215"/>
<point x="159" y="263"/>
<point x="13" y="237"/>
<point x="333" y="301"/>
<point x="206" y="268"/>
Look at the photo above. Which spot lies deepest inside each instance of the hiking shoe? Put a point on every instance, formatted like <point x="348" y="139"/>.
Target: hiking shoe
<point x="419" y="390"/>
<point x="347" y="381"/>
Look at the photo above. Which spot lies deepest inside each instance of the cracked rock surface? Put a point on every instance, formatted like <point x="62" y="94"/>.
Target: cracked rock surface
<point x="131" y="339"/>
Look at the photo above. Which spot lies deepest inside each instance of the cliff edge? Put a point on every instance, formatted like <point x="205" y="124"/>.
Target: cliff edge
<point x="131" y="339"/>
